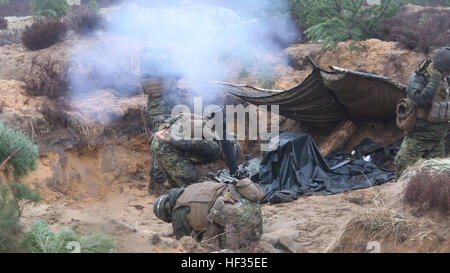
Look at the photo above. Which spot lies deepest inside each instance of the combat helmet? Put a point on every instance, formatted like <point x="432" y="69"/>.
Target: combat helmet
<point x="441" y="59"/>
<point x="161" y="208"/>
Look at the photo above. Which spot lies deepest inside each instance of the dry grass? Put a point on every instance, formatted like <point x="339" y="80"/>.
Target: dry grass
<point x="46" y="76"/>
<point x="9" y="37"/>
<point x="383" y="222"/>
<point x="83" y="128"/>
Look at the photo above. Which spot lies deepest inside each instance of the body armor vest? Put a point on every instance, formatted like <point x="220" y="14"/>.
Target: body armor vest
<point x="440" y="107"/>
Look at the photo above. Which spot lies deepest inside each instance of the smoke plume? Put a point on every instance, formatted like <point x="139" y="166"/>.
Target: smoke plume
<point x="199" y="40"/>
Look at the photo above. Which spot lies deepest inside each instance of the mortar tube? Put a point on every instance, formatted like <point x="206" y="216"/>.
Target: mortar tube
<point x="228" y="149"/>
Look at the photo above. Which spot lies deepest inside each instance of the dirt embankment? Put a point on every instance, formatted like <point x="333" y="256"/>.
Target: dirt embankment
<point x="392" y="225"/>
<point x="100" y="186"/>
<point x="371" y="56"/>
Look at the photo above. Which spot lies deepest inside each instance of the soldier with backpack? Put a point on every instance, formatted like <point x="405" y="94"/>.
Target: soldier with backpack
<point x="425" y="113"/>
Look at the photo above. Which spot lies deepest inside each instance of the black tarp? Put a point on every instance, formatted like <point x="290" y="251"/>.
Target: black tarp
<point x="297" y="168"/>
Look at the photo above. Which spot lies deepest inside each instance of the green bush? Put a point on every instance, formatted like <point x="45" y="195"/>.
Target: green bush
<point x="10" y="197"/>
<point x="333" y="21"/>
<point x="49" y="8"/>
<point x="24" y="152"/>
<point x="42" y="240"/>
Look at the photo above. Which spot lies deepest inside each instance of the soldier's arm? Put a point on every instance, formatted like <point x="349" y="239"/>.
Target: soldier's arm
<point x="421" y="91"/>
<point x="180" y="224"/>
<point x="204" y="148"/>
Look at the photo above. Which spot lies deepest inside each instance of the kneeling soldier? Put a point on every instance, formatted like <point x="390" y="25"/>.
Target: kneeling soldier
<point x="223" y="215"/>
<point x="177" y="155"/>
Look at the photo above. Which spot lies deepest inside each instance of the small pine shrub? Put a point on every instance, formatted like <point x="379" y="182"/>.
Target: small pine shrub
<point x="43" y="34"/>
<point x="10" y="196"/>
<point x="18" y="149"/>
<point x="18" y="152"/>
<point x="46" y="77"/>
<point x="49" y="8"/>
<point x="3" y="23"/>
<point x="42" y="240"/>
<point x="334" y="21"/>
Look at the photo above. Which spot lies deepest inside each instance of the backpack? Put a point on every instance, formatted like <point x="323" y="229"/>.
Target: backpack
<point x="406" y="114"/>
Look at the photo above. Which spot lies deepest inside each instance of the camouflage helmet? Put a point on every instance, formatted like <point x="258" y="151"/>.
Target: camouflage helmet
<point x="441" y="59"/>
<point x="161" y="208"/>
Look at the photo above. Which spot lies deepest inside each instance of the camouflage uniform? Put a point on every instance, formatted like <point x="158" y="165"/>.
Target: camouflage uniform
<point x="214" y="213"/>
<point x="427" y="139"/>
<point x="159" y="109"/>
<point x="247" y="228"/>
<point x="162" y="96"/>
<point x="177" y="158"/>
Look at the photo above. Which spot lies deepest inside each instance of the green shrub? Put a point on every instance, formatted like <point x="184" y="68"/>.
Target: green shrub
<point x="23" y="152"/>
<point x="10" y="197"/>
<point x="49" y="8"/>
<point x="17" y="151"/>
<point x="333" y="21"/>
<point x="42" y="240"/>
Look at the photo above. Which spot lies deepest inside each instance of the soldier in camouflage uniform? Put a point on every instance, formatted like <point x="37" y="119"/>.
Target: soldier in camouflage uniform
<point x="177" y="157"/>
<point x="427" y="138"/>
<point x="159" y="84"/>
<point x="223" y="215"/>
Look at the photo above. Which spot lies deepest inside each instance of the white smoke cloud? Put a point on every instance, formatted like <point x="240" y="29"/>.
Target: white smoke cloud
<point x="198" y="38"/>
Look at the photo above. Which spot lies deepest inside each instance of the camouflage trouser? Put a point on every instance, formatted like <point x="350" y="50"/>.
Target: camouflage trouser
<point x="413" y="149"/>
<point x="179" y="170"/>
<point x="245" y="231"/>
<point x="157" y="177"/>
<point x="248" y="227"/>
